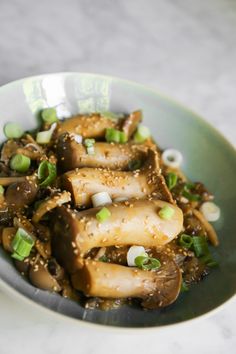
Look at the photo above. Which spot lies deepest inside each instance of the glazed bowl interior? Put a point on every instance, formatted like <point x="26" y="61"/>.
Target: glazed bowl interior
<point x="207" y="158"/>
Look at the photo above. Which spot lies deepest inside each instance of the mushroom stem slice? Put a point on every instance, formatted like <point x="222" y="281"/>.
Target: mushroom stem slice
<point x="134" y="222"/>
<point x="73" y="155"/>
<point x="89" y="126"/>
<point x="148" y="181"/>
<point x="156" y="288"/>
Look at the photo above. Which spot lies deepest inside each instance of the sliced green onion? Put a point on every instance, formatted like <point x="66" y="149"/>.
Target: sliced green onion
<point x="184" y="287"/>
<point x="103" y="259"/>
<point x="13" y="131"/>
<point x="89" y="142"/>
<point x="49" y="115"/>
<point x="147" y="263"/>
<point x="187" y="193"/>
<point x="20" y="163"/>
<point x="112" y="135"/>
<point x="47" y="173"/>
<point x="90" y="150"/>
<point x="22" y="244"/>
<point x="200" y="246"/>
<point x="142" y="134"/>
<point x="103" y="214"/>
<point x="171" y="180"/>
<point x="166" y="212"/>
<point x="123" y="138"/>
<point x="45" y="136"/>
<point x="2" y="190"/>
<point x="185" y="241"/>
<point x="134" y="165"/>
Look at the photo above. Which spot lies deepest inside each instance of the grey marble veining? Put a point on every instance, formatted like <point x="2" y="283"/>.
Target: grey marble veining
<point x="184" y="48"/>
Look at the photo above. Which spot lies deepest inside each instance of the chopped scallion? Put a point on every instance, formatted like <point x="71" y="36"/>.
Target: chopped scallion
<point x="103" y="214"/>
<point x="20" y="163"/>
<point x="90" y="150"/>
<point x="185" y="241"/>
<point x="187" y="193"/>
<point x="171" y="180"/>
<point x="200" y="246"/>
<point x="89" y="142"/>
<point x="44" y="137"/>
<point x="147" y="263"/>
<point x="22" y="244"/>
<point x="112" y="135"/>
<point x="166" y="212"/>
<point x="47" y="173"/>
<point x="123" y="138"/>
<point x="13" y="131"/>
<point x="142" y="134"/>
<point x="49" y="115"/>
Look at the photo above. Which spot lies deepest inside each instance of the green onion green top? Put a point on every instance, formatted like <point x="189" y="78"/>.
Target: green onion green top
<point x="20" y="163"/>
<point x="200" y="246"/>
<point x="89" y="142"/>
<point x="47" y="173"/>
<point x="186" y="241"/>
<point x="22" y="244"/>
<point x="147" y="263"/>
<point x="171" y="180"/>
<point x="115" y="136"/>
<point x="13" y="131"/>
<point x="103" y="214"/>
<point x="166" y="212"/>
<point x="49" y="115"/>
<point x="188" y="194"/>
<point x="141" y="134"/>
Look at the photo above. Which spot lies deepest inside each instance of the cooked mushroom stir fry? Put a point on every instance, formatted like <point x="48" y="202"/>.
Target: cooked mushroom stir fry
<point x="92" y="209"/>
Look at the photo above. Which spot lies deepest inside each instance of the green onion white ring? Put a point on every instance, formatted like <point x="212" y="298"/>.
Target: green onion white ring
<point x="210" y="211"/>
<point x="172" y="158"/>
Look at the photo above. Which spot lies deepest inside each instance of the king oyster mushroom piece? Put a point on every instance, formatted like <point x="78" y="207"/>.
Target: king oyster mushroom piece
<point x="136" y="222"/>
<point x="106" y="155"/>
<point x="94" y="125"/>
<point x="157" y="288"/>
<point x="83" y="183"/>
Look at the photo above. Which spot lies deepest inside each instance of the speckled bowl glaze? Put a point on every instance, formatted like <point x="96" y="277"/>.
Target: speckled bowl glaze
<point x="208" y="157"/>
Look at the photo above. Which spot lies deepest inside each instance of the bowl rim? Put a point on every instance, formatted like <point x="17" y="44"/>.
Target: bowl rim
<point x="99" y="326"/>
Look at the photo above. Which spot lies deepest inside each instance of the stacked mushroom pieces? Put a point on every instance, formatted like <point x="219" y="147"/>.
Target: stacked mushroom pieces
<point x="135" y="216"/>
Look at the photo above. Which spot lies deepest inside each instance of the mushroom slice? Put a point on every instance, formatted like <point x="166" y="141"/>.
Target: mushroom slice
<point x="51" y="203"/>
<point x="106" y="155"/>
<point x="89" y="126"/>
<point x="207" y="226"/>
<point x="85" y="182"/>
<point x="40" y="277"/>
<point x="156" y="288"/>
<point x="136" y="222"/>
<point x="131" y="122"/>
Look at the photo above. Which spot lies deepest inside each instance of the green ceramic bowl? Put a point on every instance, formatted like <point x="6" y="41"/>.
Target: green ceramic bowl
<point x="208" y="157"/>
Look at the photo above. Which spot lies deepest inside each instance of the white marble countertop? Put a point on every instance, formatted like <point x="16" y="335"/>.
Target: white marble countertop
<point x="184" y="48"/>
